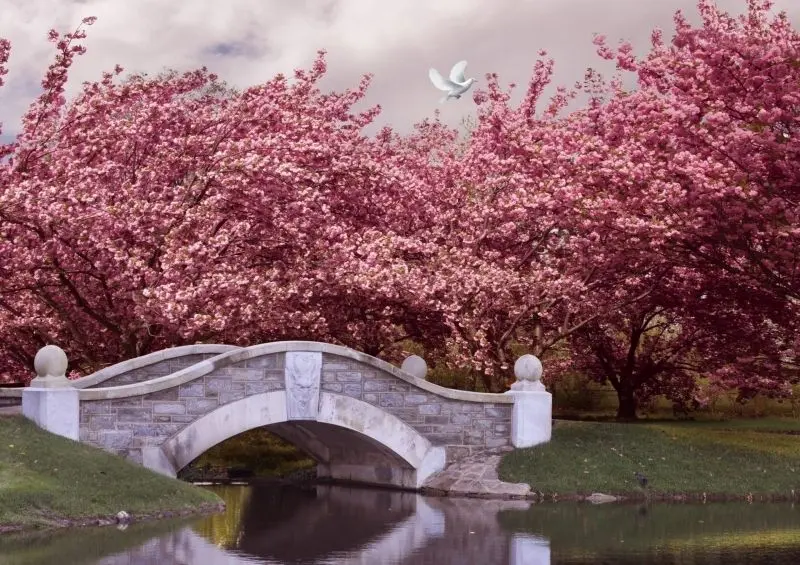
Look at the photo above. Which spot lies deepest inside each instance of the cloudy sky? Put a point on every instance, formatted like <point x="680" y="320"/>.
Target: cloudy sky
<point x="249" y="41"/>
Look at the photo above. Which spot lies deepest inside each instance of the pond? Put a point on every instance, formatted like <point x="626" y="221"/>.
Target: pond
<point x="288" y="524"/>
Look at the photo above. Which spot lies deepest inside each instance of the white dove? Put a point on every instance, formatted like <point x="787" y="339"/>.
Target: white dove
<point x="456" y="85"/>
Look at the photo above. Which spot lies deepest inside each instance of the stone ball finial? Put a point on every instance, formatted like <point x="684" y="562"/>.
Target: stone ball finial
<point x="416" y="366"/>
<point x="50" y="365"/>
<point x="528" y="368"/>
<point x="50" y="361"/>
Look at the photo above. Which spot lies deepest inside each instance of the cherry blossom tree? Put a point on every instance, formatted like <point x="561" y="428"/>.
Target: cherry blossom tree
<point x="150" y="212"/>
<point x="653" y="232"/>
<point x="699" y="166"/>
<point x="683" y="330"/>
<point x="518" y="261"/>
<point x="563" y="216"/>
<point x="711" y="132"/>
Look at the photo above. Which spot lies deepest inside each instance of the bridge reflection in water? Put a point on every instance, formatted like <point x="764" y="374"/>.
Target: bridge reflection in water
<point x="283" y="525"/>
<point x="346" y="526"/>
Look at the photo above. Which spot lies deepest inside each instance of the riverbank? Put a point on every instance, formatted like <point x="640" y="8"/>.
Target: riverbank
<point x="47" y="481"/>
<point x="752" y="460"/>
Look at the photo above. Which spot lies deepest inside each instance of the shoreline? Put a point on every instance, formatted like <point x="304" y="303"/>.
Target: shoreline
<point x="532" y="496"/>
<point x="49" y="482"/>
<point x="624" y="497"/>
<point x="57" y="523"/>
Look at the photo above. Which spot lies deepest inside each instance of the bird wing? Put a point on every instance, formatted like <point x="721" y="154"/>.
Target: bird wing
<point x="440" y="82"/>
<point x="457" y="72"/>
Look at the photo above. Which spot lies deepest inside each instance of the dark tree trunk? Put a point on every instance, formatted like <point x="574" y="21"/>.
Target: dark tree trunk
<point x="626" y="410"/>
<point x="492" y="383"/>
<point x="372" y="350"/>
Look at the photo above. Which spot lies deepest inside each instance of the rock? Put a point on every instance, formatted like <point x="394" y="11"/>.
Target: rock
<point x="123" y="517"/>
<point x="600" y="498"/>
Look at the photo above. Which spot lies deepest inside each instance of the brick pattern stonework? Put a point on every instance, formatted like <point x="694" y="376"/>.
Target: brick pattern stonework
<point x="160" y="369"/>
<point x="126" y="425"/>
<point x="464" y="428"/>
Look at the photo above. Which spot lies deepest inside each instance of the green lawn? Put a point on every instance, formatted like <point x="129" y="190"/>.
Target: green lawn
<point x="47" y="480"/>
<point x="718" y="458"/>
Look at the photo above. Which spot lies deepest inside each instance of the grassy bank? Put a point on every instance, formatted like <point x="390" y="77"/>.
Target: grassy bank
<point x="722" y="459"/>
<point x="50" y="481"/>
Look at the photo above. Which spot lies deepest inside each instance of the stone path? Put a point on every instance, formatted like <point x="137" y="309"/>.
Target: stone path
<point x="474" y="476"/>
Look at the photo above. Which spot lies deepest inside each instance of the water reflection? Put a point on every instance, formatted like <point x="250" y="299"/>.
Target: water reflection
<point x="87" y="546"/>
<point x="224" y="529"/>
<point x="381" y="525"/>
<point x="281" y="525"/>
<point x="730" y="533"/>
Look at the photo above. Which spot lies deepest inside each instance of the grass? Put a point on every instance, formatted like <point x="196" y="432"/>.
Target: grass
<point x="48" y="481"/>
<point x="719" y="458"/>
<point x="574" y="397"/>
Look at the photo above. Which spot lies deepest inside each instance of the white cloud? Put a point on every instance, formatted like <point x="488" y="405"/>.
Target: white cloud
<point x="249" y="41"/>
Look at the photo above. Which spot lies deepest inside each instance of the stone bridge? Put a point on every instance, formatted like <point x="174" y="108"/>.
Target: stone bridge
<point x="359" y="417"/>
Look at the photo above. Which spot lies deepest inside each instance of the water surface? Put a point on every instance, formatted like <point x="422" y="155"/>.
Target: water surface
<point x="282" y="525"/>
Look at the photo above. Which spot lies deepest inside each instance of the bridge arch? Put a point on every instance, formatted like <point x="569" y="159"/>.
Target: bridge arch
<point x="383" y="448"/>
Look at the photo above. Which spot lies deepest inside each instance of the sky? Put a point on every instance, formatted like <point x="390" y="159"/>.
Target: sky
<point x="247" y="42"/>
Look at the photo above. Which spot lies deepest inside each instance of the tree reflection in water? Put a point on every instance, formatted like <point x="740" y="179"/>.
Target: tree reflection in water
<point x="342" y="525"/>
<point x="291" y="524"/>
<point x="281" y="525"/>
<point x="223" y="529"/>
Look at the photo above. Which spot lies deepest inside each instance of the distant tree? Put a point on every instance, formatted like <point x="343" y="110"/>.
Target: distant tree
<point x="684" y="330"/>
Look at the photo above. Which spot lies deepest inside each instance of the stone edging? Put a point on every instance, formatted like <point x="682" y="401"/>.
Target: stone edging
<point x="150" y="359"/>
<point x="242" y="354"/>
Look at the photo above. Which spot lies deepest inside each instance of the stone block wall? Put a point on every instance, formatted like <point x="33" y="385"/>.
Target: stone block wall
<point x="463" y="427"/>
<point x="125" y="425"/>
<point x="10" y="401"/>
<point x="154" y="371"/>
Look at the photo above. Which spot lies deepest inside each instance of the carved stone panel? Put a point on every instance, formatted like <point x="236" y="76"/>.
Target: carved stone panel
<point x="303" y="370"/>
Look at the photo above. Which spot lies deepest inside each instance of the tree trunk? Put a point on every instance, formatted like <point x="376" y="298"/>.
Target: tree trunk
<point x="371" y="350"/>
<point x="627" y="404"/>
<point x="492" y="383"/>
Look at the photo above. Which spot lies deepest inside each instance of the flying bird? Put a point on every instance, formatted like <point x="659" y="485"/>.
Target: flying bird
<point x="455" y="85"/>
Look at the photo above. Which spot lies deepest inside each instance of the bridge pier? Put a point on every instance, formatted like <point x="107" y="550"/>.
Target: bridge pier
<point x="532" y="415"/>
<point x="53" y="409"/>
<point x="50" y="401"/>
